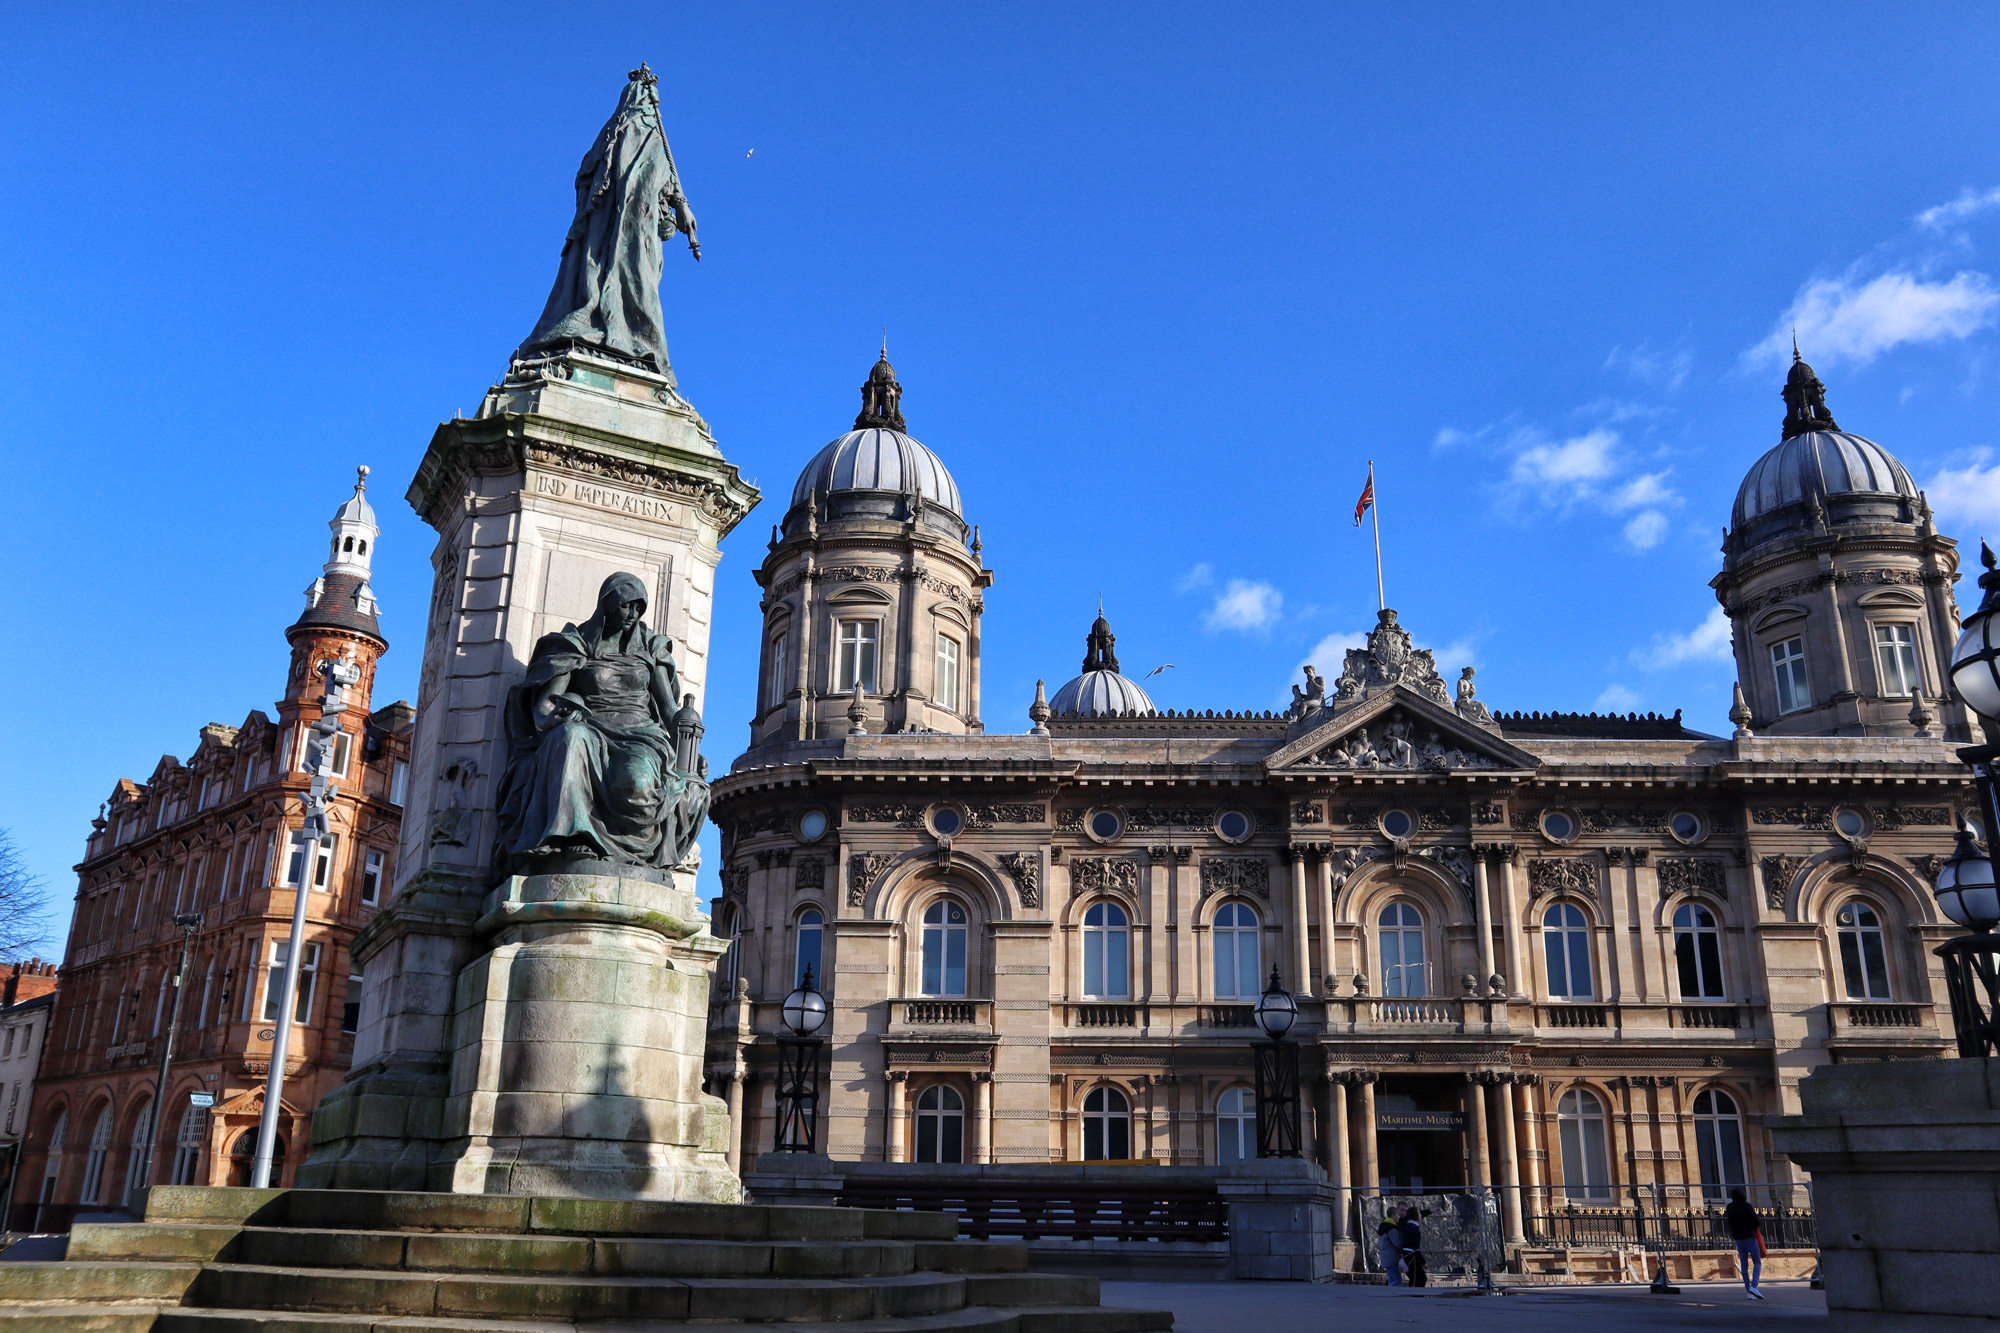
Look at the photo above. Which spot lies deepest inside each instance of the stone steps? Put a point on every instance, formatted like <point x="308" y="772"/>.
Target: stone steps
<point x="331" y="1261"/>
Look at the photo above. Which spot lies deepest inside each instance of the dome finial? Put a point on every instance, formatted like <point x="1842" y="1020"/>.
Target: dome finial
<point x="1100" y="645"/>
<point x="881" y="396"/>
<point x="1796" y="358"/>
<point x="1805" y="399"/>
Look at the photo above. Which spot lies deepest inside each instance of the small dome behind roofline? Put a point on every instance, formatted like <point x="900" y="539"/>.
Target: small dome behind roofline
<point x="1100" y="691"/>
<point x="877" y="470"/>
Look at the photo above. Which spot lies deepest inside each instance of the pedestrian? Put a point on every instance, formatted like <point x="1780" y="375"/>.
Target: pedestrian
<point x="1746" y="1229"/>
<point x="1389" y="1245"/>
<point x="1413" y="1244"/>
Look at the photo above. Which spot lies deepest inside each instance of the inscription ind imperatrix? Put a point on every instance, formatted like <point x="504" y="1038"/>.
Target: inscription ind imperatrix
<point x="605" y="497"/>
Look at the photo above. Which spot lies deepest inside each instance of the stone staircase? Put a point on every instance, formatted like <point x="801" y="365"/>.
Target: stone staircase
<point x="210" y="1260"/>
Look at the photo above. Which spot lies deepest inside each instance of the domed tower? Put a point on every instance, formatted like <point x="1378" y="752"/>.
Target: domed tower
<point x="1100" y="691"/>
<point x="1838" y="585"/>
<point x="873" y="581"/>
<point x="339" y="618"/>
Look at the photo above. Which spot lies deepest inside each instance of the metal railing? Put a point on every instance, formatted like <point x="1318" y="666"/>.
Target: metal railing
<point x="1161" y="1210"/>
<point x="1672" y="1217"/>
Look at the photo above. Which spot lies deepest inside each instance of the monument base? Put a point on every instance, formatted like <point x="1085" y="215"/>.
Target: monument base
<point x="1905" y="1163"/>
<point x="577" y="1046"/>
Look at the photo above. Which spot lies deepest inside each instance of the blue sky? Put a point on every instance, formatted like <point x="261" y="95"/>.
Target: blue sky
<point x="1159" y="281"/>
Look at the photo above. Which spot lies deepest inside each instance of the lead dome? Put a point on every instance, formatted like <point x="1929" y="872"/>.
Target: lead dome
<point x="1100" y="691"/>
<point x="1816" y="466"/>
<point x="878" y="458"/>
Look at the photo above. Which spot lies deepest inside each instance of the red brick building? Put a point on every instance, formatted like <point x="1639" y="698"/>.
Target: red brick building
<point x="218" y="835"/>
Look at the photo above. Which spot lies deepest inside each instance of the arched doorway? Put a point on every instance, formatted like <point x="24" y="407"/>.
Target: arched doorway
<point x="243" y="1158"/>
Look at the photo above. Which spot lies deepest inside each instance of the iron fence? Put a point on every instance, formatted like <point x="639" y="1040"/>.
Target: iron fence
<point x="1671" y="1217"/>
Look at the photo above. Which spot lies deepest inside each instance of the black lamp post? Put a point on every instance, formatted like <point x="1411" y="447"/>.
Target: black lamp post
<point x="798" y="1068"/>
<point x="1966" y="891"/>
<point x="1277" y="1063"/>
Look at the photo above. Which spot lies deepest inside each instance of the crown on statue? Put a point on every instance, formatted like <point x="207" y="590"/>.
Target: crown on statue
<point x="644" y="74"/>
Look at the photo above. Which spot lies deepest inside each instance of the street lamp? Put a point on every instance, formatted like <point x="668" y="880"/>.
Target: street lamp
<point x="1277" y="1062"/>
<point x="804" y="1014"/>
<point x="1966" y="892"/>
<point x="189" y="922"/>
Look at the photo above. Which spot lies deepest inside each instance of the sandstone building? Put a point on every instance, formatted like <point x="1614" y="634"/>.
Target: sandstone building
<point x="1565" y="954"/>
<point x="217" y="835"/>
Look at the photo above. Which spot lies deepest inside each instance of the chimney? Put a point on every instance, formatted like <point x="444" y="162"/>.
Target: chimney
<point x="27" y="980"/>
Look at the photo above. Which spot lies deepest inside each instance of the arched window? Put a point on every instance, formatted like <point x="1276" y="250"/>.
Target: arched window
<point x="811" y="931"/>
<point x="1566" y="944"/>
<point x="243" y="1160"/>
<point x="93" y="1162"/>
<point x="1237" y="943"/>
<point x="944" y="946"/>
<point x="732" y="955"/>
<point x="1107" y="1126"/>
<point x="1862" y="962"/>
<point x="940" y="1124"/>
<point x="58" y="1140"/>
<point x="1403" y="970"/>
<point x="780" y="677"/>
<point x="1106" y="950"/>
<point x="188" y="1144"/>
<point x="1236" y="1126"/>
<point x="1718" y="1142"/>
<point x="138" y="1164"/>
<point x="1586" y="1165"/>
<point x="1698" y="952"/>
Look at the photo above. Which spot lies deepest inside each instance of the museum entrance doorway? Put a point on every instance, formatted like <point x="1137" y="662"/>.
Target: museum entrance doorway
<point x="1420" y="1134"/>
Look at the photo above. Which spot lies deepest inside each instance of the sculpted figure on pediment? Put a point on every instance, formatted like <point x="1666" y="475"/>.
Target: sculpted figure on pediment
<point x="1389" y="659"/>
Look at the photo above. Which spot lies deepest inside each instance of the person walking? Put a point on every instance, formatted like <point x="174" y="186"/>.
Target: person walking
<point x="1747" y="1231"/>
<point x="1413" y="1244"/>
<point x="1389" y="1247"/>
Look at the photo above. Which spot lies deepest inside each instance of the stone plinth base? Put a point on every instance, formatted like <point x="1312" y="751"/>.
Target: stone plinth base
<point x="795" y="1179"/>
<point x="1280" y="1219"/>
<point x="1905" y="1163"/>
<point x="577" y="1047"/>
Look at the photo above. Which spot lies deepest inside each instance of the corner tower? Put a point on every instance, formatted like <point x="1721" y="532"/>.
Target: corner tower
<point x="873" y="589"/>
<point x="1838" y="585"/>
<point x="339" y="617"/>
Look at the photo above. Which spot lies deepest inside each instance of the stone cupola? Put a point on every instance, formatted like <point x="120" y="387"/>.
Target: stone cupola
<point x="873" y="578"/>
<point x="1838" y="585"/>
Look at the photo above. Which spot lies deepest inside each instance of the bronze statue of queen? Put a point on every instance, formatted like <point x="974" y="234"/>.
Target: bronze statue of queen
<point x="597" y="764"/>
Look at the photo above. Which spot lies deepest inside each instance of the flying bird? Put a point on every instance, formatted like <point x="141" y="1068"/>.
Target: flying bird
<point x="1157" y="670"/>
<point x="751" y="153"/>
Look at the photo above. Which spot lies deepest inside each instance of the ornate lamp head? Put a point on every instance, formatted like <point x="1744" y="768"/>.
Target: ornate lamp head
<point x="805" y="1008"/>
<point x="1276" y="1009"/>
<point x="1965" y="887"/>
<point x="1975" y="662"/>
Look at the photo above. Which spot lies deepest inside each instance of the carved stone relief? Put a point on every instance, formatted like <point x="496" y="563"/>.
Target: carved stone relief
<point x="808" y="874"/>
<point x="1235" y="874"/>
<point x="1569" y="874"/>
<point x="863" y="869"/>
<point x="1026" y="868"/>
<point x="1778" y="873"/>
<point x="1689" y="874"/>
<point x="1095" y="874"/>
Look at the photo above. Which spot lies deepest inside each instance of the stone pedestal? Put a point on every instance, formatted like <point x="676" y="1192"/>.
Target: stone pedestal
<point x="577" y="1047"/>
<point x="576" y="467"/>
<point x="796" y="1179"/>
<point x="1905" y="1163"/>
<point x="1280" y="1219"/>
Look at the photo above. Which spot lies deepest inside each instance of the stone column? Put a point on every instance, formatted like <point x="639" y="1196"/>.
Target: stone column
<point x="895" y="1135"/>
<point x="1336" y="1163"/>
<point x="736" y="1077"/>
<point x="1510" y="921"/>
<point x="1483" y="912"/>
<point x="982" y="1118"/>
<point x="1531" y="1119"/>
<point x="1302" y="986"/>
<point x="1475" y="1114"/>
<point x="1327" y="970"/>
<point x="1510" y="1164"/>
<point x="1371" y="1178"/>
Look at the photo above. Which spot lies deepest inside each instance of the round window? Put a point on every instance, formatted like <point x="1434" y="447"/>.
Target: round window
<point x="1558" y="825"/>
<point x="1851" y="822"/>
<point x="812" y="825"/>
<point x="1398" y="823"/>
<point x="1105" y="825"/>
<point x="947" y="821"/>
<point x="1686" y="825"/>
<point x="1234" y="826"/>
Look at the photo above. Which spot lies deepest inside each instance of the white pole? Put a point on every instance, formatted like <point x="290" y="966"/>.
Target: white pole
<point x="1375" y="513"/>
<point x="319" y="757"/>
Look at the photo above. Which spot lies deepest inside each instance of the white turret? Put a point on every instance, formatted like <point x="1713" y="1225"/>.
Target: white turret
<point x="353" y="532"/>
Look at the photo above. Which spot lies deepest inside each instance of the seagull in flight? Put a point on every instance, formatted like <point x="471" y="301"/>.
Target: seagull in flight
<point x="751" y="153"/>
<point x="1157" y="670"/>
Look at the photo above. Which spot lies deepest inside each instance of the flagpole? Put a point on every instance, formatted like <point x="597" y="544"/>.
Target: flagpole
<point x="1375" y="512"/>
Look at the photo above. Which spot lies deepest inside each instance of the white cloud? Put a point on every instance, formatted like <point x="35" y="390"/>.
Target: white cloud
<point x="1968" y="204"/>
<point x="1199" y="577"/>
<point x="1707" y="642"/>
<point x="1617" y="699"/>
<point x="1245" y="605"/>
<point x="1838" y="320"/>
<point x="1650" y="489"/>
<point x="1570" y="464"/>
<point x="1646" y="530"/>
<point x="1666" y="369"/>
<point x="1968" y="497"/>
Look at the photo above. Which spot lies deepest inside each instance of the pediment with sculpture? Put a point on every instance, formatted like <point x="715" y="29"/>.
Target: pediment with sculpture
<point x="1401" y="730"/>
